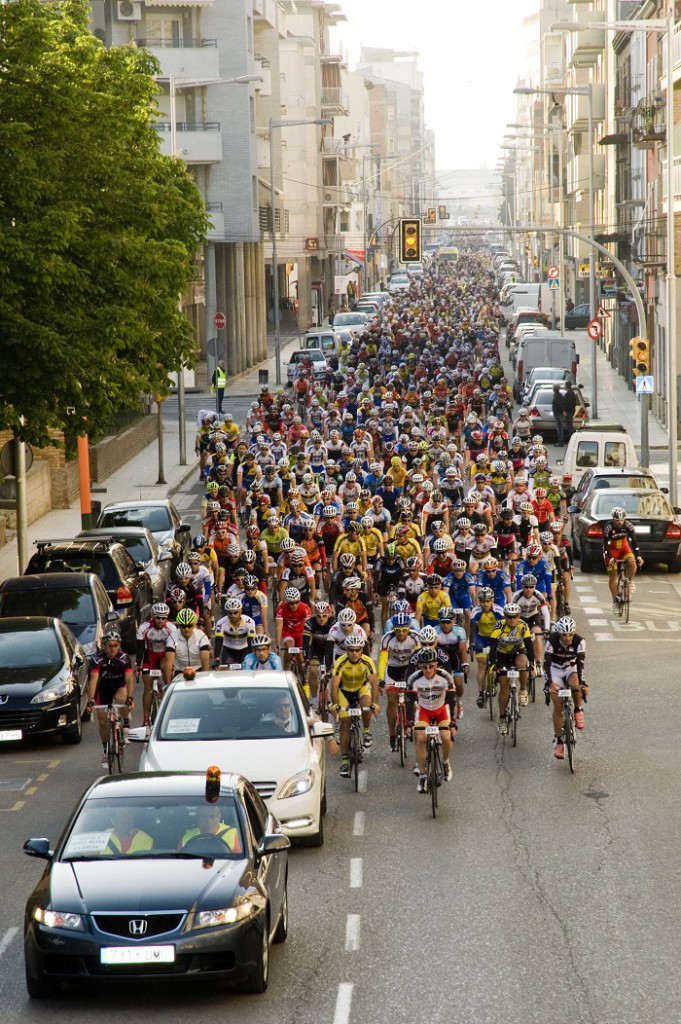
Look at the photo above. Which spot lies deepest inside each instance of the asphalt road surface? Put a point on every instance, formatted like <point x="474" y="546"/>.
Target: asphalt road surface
<point x="535" y="897"/>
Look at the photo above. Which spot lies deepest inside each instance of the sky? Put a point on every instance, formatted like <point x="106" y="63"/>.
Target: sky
<point x="471" y="54"/>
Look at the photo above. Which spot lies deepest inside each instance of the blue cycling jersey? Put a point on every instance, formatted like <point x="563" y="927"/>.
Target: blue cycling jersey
<point x="496" y="583"/>
<point x="459" y="593"/>
<point x="253" y="664"/>
<point x="540" y="570"/>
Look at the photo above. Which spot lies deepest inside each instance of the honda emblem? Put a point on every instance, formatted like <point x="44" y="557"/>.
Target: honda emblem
<point x="138" y="927"/>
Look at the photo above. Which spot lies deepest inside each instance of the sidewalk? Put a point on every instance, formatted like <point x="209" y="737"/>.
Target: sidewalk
<point x="137" y="479"/>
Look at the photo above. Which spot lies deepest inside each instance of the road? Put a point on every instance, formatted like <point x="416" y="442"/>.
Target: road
<point x="535" y="896"/>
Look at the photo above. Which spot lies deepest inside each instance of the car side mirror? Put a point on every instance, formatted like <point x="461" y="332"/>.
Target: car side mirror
<point x="273" y="843"/>
<point x="112" y="615"/>
<point x="165" y="556"/>
<point x="184" y="528"/>
<point x="38" y="848"/>
<point x="138" y="735"/>
<point x="321" y="729"/>
<point x="665" y="490"/>
<point x="141" y="566"/>
<point x="677" y="511"/>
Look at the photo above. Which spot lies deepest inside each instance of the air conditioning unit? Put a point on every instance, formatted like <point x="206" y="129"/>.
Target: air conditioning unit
<point x="328" y="197"/>
<point x="128" y="10"/>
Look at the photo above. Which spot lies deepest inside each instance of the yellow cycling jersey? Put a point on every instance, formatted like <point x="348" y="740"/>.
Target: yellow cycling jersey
<point x="273" y="539"/>
<point x="354" y="675"/>
<point x="210" y="560"/>
<point x="407" y="549"/>
<point x="346" y="543"/>
<point x="430" y="605"/>
<point x="372" y="540"/>
<point x="511" y="638"/>
<point x="486" y="622"/>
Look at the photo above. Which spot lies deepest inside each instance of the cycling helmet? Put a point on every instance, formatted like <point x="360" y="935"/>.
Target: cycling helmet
<point x="526" y="507"/>
<point x="463" y="523"/>
<point x="108" y="637"/>
<point x="252" y="532"/>
<point x="512" y="609"/>
<point x="533" y="551"/>
<point x="233" y="604"/>
<point x="355" y="527"/>
<point x="446" y="614"/>
<point x="250" y="581"/>
<point x="486" y="594"/>
<point x="298" y="556"/>
<point x="617" y="513"/>
<point x="354" y="642"/>
<point x="233" y="550"/>
<point x="427" y="656"/>
<point x="458" y="565"/>
<point x="554" y="481"/>
<point x="183" y="571"/>
<point x="160" y="608"/>
<point x="347" y="560"/>
<point x="540" y="492"/>
<point x="480" y="529"/>
<point x="287" y="544"/>
<point x="193" y="557"/>
<point x="428" y="635"/>
<point x="352" y="583"/>
<point x="414" y="562"/>
<point x="506" y="513"/>
<point x="556" y="526"/>
<point x="273" y="522"/>
<point x="321" y="607"/>
<point x="223" y="516"/>
<point x="213" y="506"/>
<point x="283" y="463"/>
<point x="434" y="580"/>
<point x="249" y="556"/>
<point x="347" y="617"/>
<point x="391" y="551"/>
<point x="565" y="626"/>
<point x="400" y="606"/>
<point x="329" y="512"/>
<point x="352" y="506"/>
<point x="490" y="563"/>
<point x="546" y="537"/>
<point x="440" y="544"/>
<point x="261" y="640"/>
<point x="499" y="466"/>
<point x="402" y="620"/>
<point x="529" y="580"/>
<point x="177" y="595"/>
<point x="291" y="594"/>
<point x="212" y="486"/>
<point x="186" y="617"/>
<point x="367" y="522"/>
<point x="199" y="541"/>
<point x="437" y="525"/>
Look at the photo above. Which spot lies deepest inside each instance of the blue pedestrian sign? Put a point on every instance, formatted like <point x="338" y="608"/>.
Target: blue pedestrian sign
<point x="554" y="284"/>
<point x="645" y="385"/>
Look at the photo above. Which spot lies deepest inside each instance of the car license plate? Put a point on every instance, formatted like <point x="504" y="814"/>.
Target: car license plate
<point x="643" y="530"/>
<point x="10" y="734"/>
<point x="354" y="712"/>
<point x="564" y="693"/>
<point x="137" y="955"/>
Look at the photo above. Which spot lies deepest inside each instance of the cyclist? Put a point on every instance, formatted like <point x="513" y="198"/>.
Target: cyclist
<point x="620" y="545"/>
<point x="187" y="647"/>
<point x="315" y="648"/>
<point x="290" y="618"/>
<point x="564" y="664"/>
<point x="387" y="575"/>
<point x="431" y="601"/>
<point x="505" y="643"/>
<point x="461" y="587"/>
<point x="451" y="641"/>
<point x="262" y="657"/>
<point x="498" y="582"/>
<point x="398" y="645"/>
<point x="354" y="681"/>
<point x="152" y="639"/>
<point x="234" y="634"/>
<point x="111" y="681"/>
<point x="534" y="610"/>
<point x="343" y="628"/>
<point x="536" y="566"/>
<point x="431" y="685"/>
<point x="485" y="619"/>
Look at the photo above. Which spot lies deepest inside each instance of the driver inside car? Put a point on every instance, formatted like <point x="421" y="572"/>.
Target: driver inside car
<point x="208" y="822"/>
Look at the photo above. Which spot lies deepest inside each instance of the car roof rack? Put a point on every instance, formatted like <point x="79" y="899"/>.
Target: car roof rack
<point x="601" y="428"/>
<point x="74" y="542"/>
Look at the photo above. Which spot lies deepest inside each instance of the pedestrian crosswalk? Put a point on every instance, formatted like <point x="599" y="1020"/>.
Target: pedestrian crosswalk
<point x="655" y="615"/>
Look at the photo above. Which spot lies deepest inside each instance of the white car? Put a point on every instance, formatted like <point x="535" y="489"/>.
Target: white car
<point x="238" y="721"/>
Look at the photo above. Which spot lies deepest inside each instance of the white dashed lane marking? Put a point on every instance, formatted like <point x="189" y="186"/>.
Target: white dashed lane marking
<point x="352" y="926"/>
<point x="358" y="827"/>
<point x="356" y="871"/>
<point x="343" y="1003"/>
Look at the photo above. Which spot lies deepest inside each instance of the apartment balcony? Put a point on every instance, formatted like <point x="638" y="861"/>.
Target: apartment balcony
<point x="676" y="58"/>
<point x="334" y="101"/>
<point x="217" y="220"/>
<point x="265" y="11"/>
<point x="676" y="180"/>
<point x="650" y="249"/>
<point x="648" y="125"/>
<point x="578" y="173"/>
<point x="193" y="59"/>
<point x="196" y="142"/>
<point x="577" y="109"/>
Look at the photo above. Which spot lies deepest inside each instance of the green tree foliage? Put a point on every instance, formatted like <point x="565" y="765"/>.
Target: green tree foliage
<point x="97" y="228"/>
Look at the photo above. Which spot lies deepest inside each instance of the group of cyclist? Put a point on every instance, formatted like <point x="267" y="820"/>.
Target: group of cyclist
<point x="402" y="489"/>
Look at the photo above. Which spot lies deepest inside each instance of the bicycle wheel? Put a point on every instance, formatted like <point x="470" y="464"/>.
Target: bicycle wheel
<point x="625" y="601"/>
<point x="433" y="781"/>
<point x="355" y="747"/>
<point x="569" y="731"/>
<point x="400" y="734"/>
<point x="323" y="702"/>
<point x="533" y="682"/>
<point x="491" y="692"/>
<point x="513" y="716"/>
<point x="120" y="749"/>
<point x="111" y="747"/>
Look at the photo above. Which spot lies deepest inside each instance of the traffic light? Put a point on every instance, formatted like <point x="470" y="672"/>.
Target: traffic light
<point x="430" y="215"/>
<point x="640" y="353"/>
<point x="410" y="241"/>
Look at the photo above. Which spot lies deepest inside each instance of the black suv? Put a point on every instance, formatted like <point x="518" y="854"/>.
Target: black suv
<point x="127" y="582"/>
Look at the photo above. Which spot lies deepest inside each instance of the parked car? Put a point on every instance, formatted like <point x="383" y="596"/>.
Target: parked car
<point x="602" y="478"/>
<point x="143" y="547"/>
<point x="370" y="307"/>
<point x="415" y="269"/>
<point x="399" y="282"/>
<point x="596" y="444"/>
<point x="383" y="298"/>
<point x="546" y="375"/>
<point x="656" y="523"/>
<point x="160" y="517"/>
<point x="184" y="904"/>
<point x="353" y="319"/>
<point x="578" y="317"/>
<point x="127" y="583"/>
<point x="540" y="402"/>
<point x="43" y="679"/>
<point x="228" y="719"/>
<point x="77" y="598"/>
<point x="319" y="363"/>
<point x="524" y="315"/>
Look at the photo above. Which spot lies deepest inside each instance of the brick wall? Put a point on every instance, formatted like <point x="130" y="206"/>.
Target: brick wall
<point x="113" y="452"/>
<point x="55" y="456"/>
<point x="65" y="485"/>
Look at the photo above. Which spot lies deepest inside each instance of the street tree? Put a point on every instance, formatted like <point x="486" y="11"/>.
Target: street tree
<point x="98" y="230"/>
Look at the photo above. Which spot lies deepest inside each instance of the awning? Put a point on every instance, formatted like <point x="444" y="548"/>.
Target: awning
<point x="353" y="259"/>
<point x="618" y="139"/>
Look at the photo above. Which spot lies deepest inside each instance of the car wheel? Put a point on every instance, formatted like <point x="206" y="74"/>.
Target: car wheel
<point x="74" y="733"/>
<point x="282" y="928"/>
<point x="257" y="982"/>
<point x="586" y="562"/>
<point x="675" y="565"/>
<point x="40" y="988"/>
<point x="317" y="839"/>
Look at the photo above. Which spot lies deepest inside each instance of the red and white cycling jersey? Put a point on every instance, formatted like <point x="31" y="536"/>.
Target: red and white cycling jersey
<point x="155" y="640"/>
<point x="431" y="693"/>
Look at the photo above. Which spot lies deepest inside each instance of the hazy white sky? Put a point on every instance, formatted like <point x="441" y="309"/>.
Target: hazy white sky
<point x="471" y="53"/>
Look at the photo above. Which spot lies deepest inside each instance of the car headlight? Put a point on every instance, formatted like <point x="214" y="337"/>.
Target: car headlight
<point x="297" y="785"/>
<point x="227" y="915"/>
<point x="54" y="692"/>
<point x="59" y="919"/>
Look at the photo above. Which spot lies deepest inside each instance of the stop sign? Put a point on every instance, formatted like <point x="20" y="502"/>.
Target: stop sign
<point x="220" y="321"/>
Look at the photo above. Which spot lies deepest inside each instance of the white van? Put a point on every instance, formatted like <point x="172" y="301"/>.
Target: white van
<point x="543" y="348"/>
<point x="517" y="296"/>
<point x="596" y="444"/>
<point x="325" y="339"/>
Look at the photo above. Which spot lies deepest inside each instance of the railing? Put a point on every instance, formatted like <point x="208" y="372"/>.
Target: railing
<point x="214" y="207"/>
<point x="676" y="50"/>
<point x="188" y="126"/>
<point x="332" y="98"/>
<point x="177" y="44"/>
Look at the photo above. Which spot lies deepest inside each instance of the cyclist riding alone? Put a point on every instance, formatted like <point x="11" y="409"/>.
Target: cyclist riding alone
<point x="111" y="681"/>
<point x="620" y="545"/>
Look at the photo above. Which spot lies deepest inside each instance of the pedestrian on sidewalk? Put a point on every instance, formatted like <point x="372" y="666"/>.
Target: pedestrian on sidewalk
<point x="570" y="404"/>
<point x="219" y="381"/>
<point x="569" y="305"/>
<point x="558" y="407"/>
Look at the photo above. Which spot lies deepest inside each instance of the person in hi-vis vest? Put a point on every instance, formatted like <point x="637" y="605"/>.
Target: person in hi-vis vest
<point x="219" y="381"/>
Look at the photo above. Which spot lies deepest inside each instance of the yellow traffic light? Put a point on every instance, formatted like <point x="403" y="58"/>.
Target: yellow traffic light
<point x="640" y="353"/>
<point x="410" y="241"/>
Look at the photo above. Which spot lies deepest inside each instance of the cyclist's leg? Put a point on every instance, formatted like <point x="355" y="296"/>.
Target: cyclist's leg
<point x="522" y="666"/>
<point x="612" y="578"/>
<point x="313" y="677"/>
<point x="502" y="680"/>
<point x="630" y="566"/>
<point x="538" y="643"/>
<point x="391" y="709"/>
<point x="420" y="741"/>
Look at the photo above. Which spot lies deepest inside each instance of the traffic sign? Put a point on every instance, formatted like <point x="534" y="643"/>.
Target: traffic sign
<point x="7" y="457"/>
<point x="554" y="284"/>
<point x="220" y="321"/>
<point x="603" y="312"/>
<point x="594" y="329"/>
<point x="645" y="385"/>
<point x="552" y="272"/>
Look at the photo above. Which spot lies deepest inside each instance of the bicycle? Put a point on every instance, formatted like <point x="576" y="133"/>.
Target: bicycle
<point x="356" y="748"/>
<point x="156" y="692"/>
<point x="115" y="744"/>
<point x="323" y="696"/>
<point x="490" y="683"/>
<point x="512" y="708"/>
<point x="435" y="772"/>
<point x="560" y="594"/>
<point x="401" y="725"/>
<point x="569" y="727"/>
<point x="623" y="596"/>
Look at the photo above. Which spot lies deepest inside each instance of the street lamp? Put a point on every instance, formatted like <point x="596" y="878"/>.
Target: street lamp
<point x="665" y="26"/>
<point x="275" y="276"/>
<point x="587" y="91"/>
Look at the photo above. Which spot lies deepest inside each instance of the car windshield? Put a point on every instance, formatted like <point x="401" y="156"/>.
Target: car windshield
<point x="73" y="605"/>
<point x="643" y="483"/>
<point x="28" y="649"/>
<point x="100" y="564"/>
<point x="155" y="517"/>
<point x="137" y="547"/>
<point x="637" y="506"/>
<point x="229" y="713"/>
<point x="172" y="826"/>
<point x="342" y="319"/>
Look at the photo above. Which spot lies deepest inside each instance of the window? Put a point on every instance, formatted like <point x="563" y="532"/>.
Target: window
<point x="615" y="454"/>
<point x="162" y="30"/>
<point x="587" y="454"/>
<point x="256" y="822"/>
